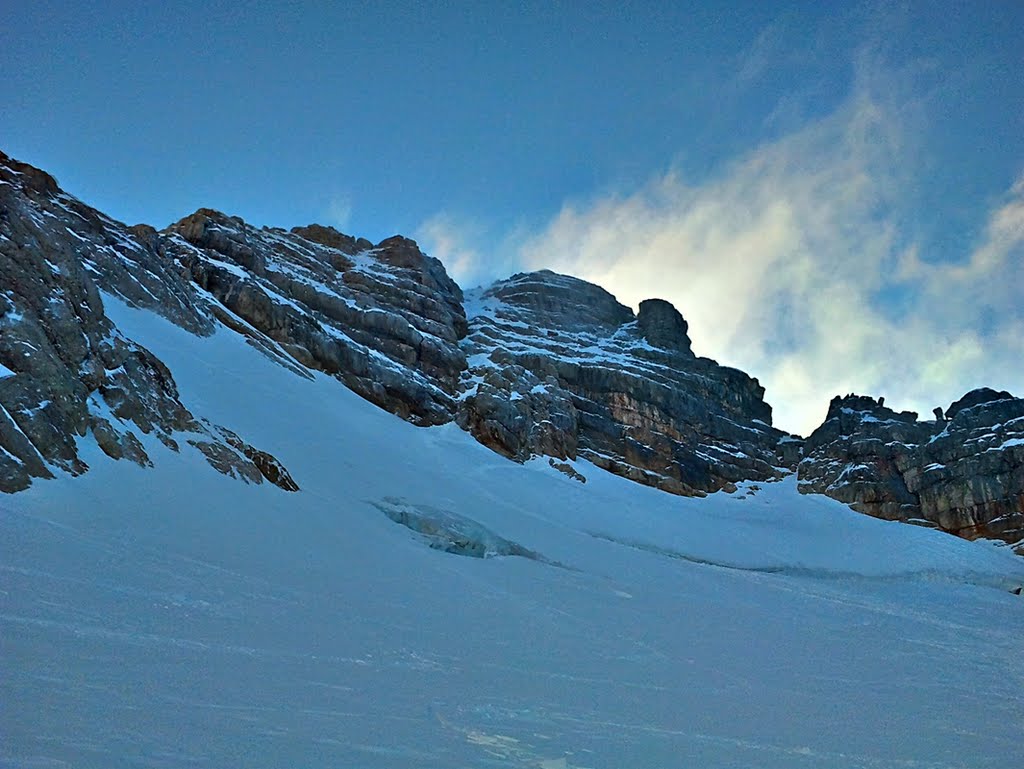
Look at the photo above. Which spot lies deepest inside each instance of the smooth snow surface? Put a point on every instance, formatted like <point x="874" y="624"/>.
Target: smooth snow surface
<point x="173" y="617"/>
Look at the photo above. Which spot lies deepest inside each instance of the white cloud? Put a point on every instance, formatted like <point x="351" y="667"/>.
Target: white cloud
<point x="780" y="264"/>
<point x="448" y="240"/>
<point x="794" y="263"/>
<point x="339" y="211"/>
<point x="459" y="242"/>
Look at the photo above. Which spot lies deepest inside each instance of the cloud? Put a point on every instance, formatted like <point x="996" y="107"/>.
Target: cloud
<point x="763" y="54"/>
<point x="339" y="211"/>
<point x="448" y="239"/>
<point x="798" y="263"/>
<point x="794" y="264"/>
<point x="474" y="252"/>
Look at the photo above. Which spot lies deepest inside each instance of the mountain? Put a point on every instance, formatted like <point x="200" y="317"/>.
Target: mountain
<point x="962" y="472"/>
<point x="538" y="364"/>
<point x="545" y="364"/>
<point x="261" y="511"/>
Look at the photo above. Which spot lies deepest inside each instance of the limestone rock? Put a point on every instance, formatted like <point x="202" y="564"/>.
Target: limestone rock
<point x="66" y="374"/>
<point x="268" y="465"/>
<point x="330" y="237"/>
<point x="561" y="302"/>
<point x="963" y="474"/>
<point x="976" y="398"/>
<point x="663" y="326"/>
<point x="384" y="320"/>
<point x="558" y="367"/>
<point x="538" y="364"/>
<point x="566" y="469"/>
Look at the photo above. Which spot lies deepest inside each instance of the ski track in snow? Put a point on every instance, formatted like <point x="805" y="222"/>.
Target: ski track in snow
<point x="172" y="617"/>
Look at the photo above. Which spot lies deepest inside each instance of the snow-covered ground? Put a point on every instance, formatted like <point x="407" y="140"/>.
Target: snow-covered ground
<point x="173" y="617"/>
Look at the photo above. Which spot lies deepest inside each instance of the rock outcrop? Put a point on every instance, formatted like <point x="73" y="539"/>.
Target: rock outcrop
<point x="65" y="371"/>
<point x="559" y="367"/>
<point x="553" y="366"/>
<point x="384" y="320"/>
<point x="963" y="474"/>
<point x="538" y="364"/>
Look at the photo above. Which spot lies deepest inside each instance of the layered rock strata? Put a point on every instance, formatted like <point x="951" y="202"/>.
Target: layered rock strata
<point x="559" y="367"/>
<point x="544" y="364"/>
<point x="386" y="320"/>
<point x="963" y="473"/>
<point x="65" y="371"/>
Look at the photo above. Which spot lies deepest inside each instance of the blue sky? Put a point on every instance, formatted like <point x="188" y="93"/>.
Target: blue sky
<point x="832" y="198"/>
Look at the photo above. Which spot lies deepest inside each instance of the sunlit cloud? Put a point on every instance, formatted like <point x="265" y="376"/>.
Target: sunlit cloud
<point x="791" y="266"/>
<point x="796" y="264"/>
<point x="449" y="241"/>
<point x="339" y="211"/>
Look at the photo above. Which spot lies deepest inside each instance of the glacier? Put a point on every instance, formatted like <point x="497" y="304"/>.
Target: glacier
<point x="173" y="617"/>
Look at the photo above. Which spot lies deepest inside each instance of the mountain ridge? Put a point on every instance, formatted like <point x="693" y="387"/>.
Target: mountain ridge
<point x="541" y="364"/>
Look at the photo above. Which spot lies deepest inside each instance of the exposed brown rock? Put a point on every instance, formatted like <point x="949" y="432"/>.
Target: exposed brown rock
<point x="964" y="474"/>
<point x="65" y="372"/>
<point x="559" y="367"/>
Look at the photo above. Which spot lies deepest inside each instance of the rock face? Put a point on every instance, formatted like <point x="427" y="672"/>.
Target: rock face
<point x="65" y="372"/>
<point x="559" y="367"/>
<point x="964" y="474"/>
<point x="384" y="320"/>
<point x="539" y="364"/>
<point x="553" y="366"/>
<point x="976" y="398"/>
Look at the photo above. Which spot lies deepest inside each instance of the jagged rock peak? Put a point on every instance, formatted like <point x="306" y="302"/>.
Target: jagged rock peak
<point x="330" y="237"/>
<point x="976" y="398"/>
<point x="211" y="229"/>
<point x="404" y="253"/>
<point x="561" y="301"/>
<point x="662" y="325"/>
<point x="862" y="405"/>
<point x="28" y="177"/>
<point x="558" y="366"/>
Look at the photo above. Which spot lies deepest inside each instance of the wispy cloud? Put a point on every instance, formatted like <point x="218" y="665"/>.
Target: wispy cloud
<point x="449" y="240"/>
<point x="792" y="265"/>
<point x="474" y="252"/>
<point x="796" y="264"/>
<point x="339" y="211"/>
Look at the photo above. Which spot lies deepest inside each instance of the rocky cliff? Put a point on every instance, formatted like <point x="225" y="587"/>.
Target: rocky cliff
<point x="962" y="472"/>
<point x="538" y="364"/>
<point x="559" y="367"/>
<point x="65" y="370"/>
<point x="385" y="320"/>
<point x="547" y="364"/>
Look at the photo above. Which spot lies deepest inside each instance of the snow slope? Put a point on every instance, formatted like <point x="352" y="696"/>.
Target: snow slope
<point x="173" y="617"/>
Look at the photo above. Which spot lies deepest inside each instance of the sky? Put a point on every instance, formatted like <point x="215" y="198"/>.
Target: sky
<point x="832" y="197"/>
